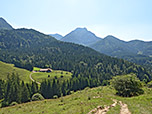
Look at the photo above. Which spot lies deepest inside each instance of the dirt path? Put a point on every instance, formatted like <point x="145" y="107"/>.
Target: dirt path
<point x="103" y="110"/>
<point x="33" y="79"/>
<point x="124" y="108"/>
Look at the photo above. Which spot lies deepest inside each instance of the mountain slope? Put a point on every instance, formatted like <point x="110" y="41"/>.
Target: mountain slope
<point x="57" y="36"/>
<point x="135" y="51"/>
<point x="5" y="25"/>
<point x="141" y="47"/>
<point x="112" y="46"/>
<point x="27" y="48"/>
<point x="81" y="36"/>
<point x="23" y="38"/>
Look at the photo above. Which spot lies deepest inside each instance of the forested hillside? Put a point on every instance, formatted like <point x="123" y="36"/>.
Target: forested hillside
<point x="135" y="51"/>
<point x="27" y="48"/>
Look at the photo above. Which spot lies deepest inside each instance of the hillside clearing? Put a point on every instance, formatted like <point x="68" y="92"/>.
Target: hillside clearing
<point x="40" y="76"/>
<point x="6" y="69"/>
<point x="24" y="75"/>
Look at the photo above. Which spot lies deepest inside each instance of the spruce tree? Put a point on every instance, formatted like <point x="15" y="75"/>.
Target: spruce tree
<point x="2" y="85"/>
<point x="25" y="96"/>
<point x="34" y="88"/>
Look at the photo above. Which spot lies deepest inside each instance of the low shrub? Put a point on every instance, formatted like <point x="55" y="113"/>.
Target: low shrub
<point x="13" y="103"/>
<point x="37" y="97"/>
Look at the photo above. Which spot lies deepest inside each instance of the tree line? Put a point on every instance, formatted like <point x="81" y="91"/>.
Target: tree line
<point x="15" y="90"/>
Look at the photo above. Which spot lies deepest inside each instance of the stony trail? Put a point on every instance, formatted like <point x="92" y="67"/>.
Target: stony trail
<point x="103" y="110"/>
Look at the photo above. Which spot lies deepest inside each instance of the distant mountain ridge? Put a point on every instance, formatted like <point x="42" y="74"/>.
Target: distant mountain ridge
<point x="139" y="52"/>
<point x="112" y="46"/>
<point x="136" y="51"/>
<point x="81" y="36"/>
<point x="4" y="24"/>
<point x="57" y="36"/>
<point x="109" y="45"/>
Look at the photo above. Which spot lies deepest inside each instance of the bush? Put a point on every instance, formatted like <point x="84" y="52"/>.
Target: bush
<point x="62" y="99"/>
<point x="149" y="84"/>
<point x="37" y="97"/>
<point x="87" y="88"/>
<point x="127" y="86"/>
<point x="71" y="92"/>
<point x="13" y="103"/>
<point x="4" y="104"/>
<point x="55" y="96"/>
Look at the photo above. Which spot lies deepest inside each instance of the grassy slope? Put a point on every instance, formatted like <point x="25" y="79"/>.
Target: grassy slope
<point x="6" y="69"/>
<point x="36" y="69"/>
<point x="40" y="76"/>
<point x="78" y="103"/>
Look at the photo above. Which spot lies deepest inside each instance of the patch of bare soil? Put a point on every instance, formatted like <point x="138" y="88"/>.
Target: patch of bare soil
<point x="103" y="110"/>
<point x="124" y="108"/>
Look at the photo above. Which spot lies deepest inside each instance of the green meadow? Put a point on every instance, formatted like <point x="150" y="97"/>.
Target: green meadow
<point x="6" y="69"/>
<point x="81" y="102"/>
<point x="40" y="76"/>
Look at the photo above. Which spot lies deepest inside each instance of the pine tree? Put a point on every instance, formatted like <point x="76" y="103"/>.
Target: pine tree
<point x="25" y="96"/>
<point x="2" y="85"/>
<point x="43" y="89"/>
<point x="49" y="89"/>
<point x="34" y="88"/>
<point x="12" y="90"/>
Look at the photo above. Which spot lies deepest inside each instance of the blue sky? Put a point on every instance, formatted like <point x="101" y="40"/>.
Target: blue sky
<point x="125" y="19"/>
